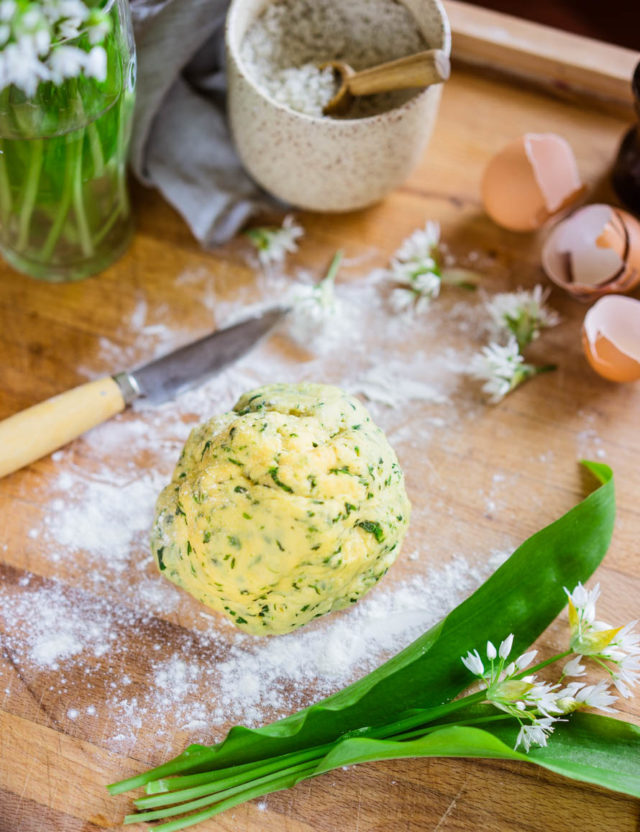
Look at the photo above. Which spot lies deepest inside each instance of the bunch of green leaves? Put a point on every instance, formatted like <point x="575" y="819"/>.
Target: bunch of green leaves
<point x="408" y="706"/>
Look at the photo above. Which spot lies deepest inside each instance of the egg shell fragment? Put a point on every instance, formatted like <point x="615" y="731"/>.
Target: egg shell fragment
<point x="594" y="252"/>
<point x="611" y="338"/>
<point x="530" y="180"/>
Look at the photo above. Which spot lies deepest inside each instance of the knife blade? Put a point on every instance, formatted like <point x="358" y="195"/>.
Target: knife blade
<point x="47" y="426"/>
<point x="172" y="374"/>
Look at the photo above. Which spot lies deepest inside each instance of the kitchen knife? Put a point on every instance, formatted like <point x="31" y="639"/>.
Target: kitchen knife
<point x="41" y="429"/>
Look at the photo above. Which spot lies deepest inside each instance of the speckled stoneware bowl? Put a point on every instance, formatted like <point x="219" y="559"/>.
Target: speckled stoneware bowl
<point x="325" y="164"/>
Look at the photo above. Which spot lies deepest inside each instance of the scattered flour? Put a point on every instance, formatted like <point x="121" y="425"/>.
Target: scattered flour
<point x="57" y="628"/>
<point x="103" y="620"/>
<point x="54" y="626"/>
<point x="390" y="385"/>
<point x="103" y="514"/>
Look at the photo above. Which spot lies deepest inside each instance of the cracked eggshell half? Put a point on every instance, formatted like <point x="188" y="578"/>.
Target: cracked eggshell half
<point x="530" y="180"/>
<point x="611" y="338"/>
<point x="594" y="252"/>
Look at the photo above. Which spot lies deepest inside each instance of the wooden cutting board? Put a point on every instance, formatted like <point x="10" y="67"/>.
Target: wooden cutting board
<point x="483" y="482"/>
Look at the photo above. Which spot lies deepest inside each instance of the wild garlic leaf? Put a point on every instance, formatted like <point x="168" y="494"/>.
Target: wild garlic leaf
<point x="588" y="747"/>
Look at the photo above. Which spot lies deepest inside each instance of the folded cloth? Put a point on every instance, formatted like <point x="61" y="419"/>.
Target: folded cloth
<point x="181" y="142"/>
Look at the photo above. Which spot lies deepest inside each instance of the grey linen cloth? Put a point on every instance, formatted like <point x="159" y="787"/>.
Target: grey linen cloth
<point x="181" y="142"/>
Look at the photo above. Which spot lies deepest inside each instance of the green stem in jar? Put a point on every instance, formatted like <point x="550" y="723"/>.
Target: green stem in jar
<point x="29" y="194"/>
<point x="107" y="226"/>
<point x="82" y="221"/>
<point x="64" y="206"/>
<point x="96" y="149"/>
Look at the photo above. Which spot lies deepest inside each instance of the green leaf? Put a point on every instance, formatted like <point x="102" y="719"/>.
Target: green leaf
<point x="591" y="748"/>
<point x="523" y="596"/>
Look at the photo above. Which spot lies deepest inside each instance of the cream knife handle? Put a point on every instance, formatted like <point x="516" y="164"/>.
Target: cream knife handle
<point x="41" y="429"/>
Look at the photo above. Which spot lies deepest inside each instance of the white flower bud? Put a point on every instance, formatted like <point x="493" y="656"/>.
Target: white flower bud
<point x="505" y="647"/>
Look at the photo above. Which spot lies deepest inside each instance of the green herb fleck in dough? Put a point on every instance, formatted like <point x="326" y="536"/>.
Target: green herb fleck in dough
<point x="273" y="473"/>
<point x="159" y="554"/>
<point x="373" y="527"/>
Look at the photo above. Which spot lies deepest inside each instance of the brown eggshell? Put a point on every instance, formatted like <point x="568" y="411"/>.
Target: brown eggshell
<point x="530" y="180"/>
<point x="594" y="252"/>
<point x="611" y="338"/>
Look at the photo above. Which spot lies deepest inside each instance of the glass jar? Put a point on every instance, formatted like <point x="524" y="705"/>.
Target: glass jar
<point x="64" y="205"/>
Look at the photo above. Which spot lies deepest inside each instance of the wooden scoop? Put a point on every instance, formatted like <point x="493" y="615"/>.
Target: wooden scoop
<point x="420" y="70"/>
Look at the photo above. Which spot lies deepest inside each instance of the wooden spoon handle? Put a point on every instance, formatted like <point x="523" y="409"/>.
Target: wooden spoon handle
<point x="41" y="429"/>
<point x="421" y="70"/>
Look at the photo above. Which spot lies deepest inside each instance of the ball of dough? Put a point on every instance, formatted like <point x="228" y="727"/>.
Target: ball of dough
<point x="289" y="507"/>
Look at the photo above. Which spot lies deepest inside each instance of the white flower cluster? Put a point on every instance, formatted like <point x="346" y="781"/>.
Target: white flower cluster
<point x="502" y="369"/>
<point x="521" y="314"/>
<point x="418" y="277"/>
<point x="415" y="271"/>
<point x="313" y="307"/>
<point x="538" y="705"/>
<point x="34" y="42"/>
<point x="518" y="316"/>
<point x="535" y="704"/>
<point x="616" y="649"/>
<point x="273" y="244"/>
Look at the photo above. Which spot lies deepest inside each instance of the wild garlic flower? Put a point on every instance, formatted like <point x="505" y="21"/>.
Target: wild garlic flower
<point x="533" y="703"/>
<point x="35" y="48"/>
<point x="502" y="368"/>
<point x="596" y="696"/>
<point x="314" y="306"/>
<point x="416" y="295"/>
<point x="538" y="705"/>
<point x="521" y="314"/>
<point x="577" y="695"/>
<point x="421" y="247"/>
<point x="415" y="270"/>
<point x="273" y="244"/>
<point x="626" y="674"/>
<point x="583" y="602"/>
<point x="606" y="645"/>
<point x="504" y="690"/>
<point x="536" y="733"/>
<point x="574" y="667"/>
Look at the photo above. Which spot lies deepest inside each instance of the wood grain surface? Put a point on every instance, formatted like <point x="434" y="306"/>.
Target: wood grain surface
<point x="53" y="768"/>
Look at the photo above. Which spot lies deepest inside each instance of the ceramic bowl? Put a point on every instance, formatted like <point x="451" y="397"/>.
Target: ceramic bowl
<point x="325" y="164"/>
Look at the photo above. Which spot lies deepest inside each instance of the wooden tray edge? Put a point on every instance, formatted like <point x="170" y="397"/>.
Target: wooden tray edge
<point x="567" y="65"/>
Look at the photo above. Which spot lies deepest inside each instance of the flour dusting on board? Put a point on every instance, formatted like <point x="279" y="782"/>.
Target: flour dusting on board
<point x="103" y="623"/>
<point x="66" y="630"/>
